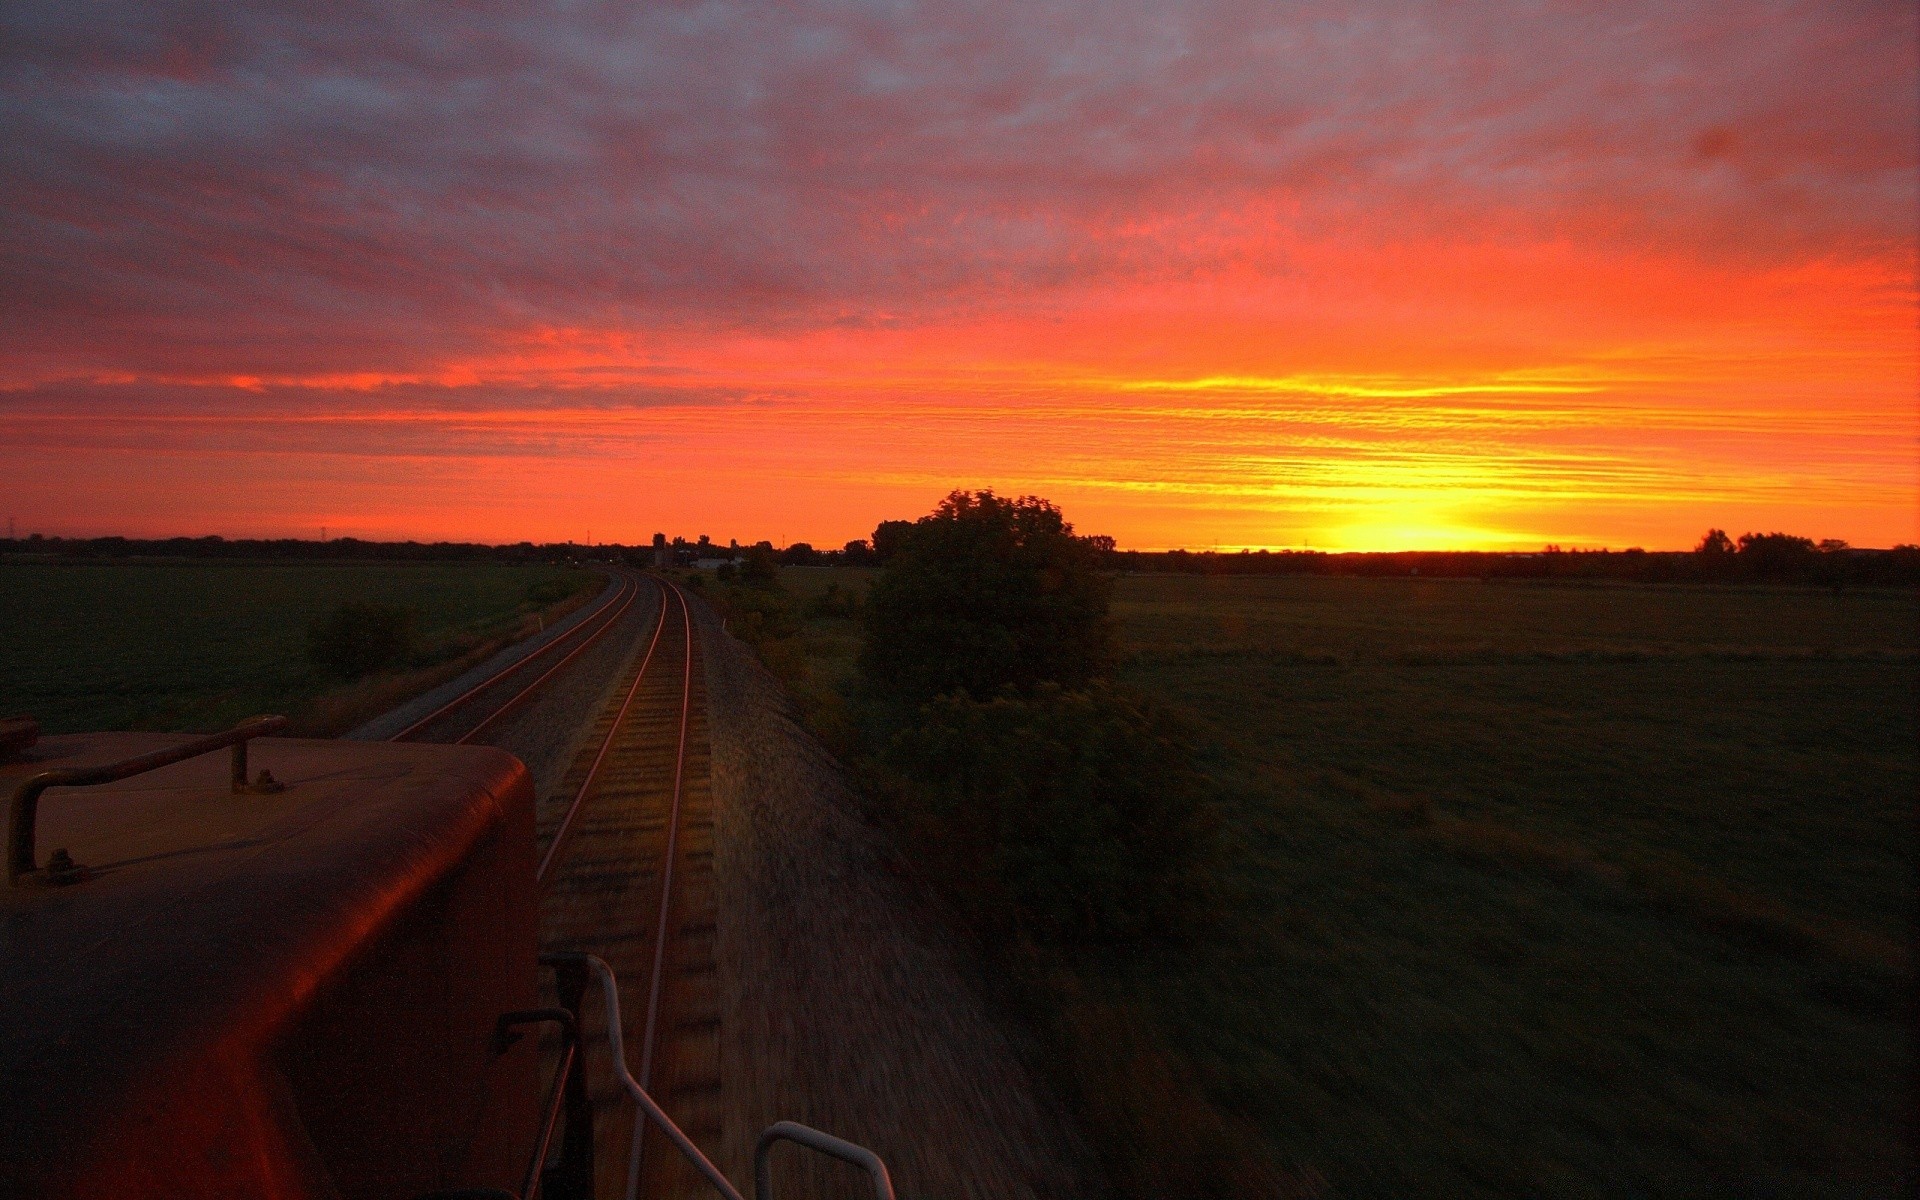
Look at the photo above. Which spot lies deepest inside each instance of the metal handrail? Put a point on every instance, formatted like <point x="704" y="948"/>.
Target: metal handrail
<point x="789" y="1131"/>
<point x="610" y="996"/>
<point x="825" y="1143"/>
<point x="25" y="805"/>
<point x="556" y="1095"/>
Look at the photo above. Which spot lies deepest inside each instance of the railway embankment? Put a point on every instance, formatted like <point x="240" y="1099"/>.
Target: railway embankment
<point x="841" y="1008"/>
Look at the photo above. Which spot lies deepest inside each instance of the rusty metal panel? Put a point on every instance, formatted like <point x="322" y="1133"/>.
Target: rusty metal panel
<point x="288" y="995"/>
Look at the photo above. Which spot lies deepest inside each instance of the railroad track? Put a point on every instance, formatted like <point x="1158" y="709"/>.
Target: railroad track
<point x="626" y="872"/>
<point x="470" y="715"/>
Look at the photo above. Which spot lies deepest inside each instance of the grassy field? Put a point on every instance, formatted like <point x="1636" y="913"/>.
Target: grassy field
<point x="1541" y="890"/>
<point x="199" y="644"/>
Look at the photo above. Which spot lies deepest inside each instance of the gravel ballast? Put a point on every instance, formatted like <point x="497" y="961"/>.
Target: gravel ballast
<point x="841" y="1008"/>
<point x="547" y="731"/>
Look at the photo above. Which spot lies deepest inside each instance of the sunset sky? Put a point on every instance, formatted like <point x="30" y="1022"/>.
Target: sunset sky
<point x="1348" y="276"/>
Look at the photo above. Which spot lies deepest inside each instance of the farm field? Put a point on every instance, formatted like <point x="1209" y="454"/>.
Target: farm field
<point x="1540" y="889"/>
<point x="199" y="644"/>
<point x="1550" y="889"/>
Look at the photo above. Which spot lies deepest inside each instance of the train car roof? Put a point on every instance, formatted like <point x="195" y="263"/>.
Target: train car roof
<point x="142" y="995"/>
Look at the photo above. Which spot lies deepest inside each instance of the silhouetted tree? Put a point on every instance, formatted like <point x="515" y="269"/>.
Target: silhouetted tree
<point x="762" y="566"/>
<point x="888" y="538"/>
<point x="1716" y="542"/>
<point x="1775" y="555"/>
<point x="983" y="594"/>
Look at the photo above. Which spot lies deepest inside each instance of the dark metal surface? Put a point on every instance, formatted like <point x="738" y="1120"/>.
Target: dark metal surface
<point x="293" y="995"/>
<point x="572" y="1177"/>
<point x="530" y="1184"/>
<point x="24" y="809"/>
<point x="17" y="734"/>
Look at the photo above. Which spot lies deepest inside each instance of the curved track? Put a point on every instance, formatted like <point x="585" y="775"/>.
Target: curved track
<point x="626" y="874"/>
<point x="475" y="710"/>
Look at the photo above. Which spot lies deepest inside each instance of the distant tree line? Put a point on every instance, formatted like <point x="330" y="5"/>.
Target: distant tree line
<point x="1753" y="557"/>
<point x="1719" y="558"/>
<point x="297" y="548"/>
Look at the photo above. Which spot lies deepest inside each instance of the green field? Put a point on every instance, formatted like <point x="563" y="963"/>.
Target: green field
<point x="1538" y="889"/>
<point x="199" y="644"/>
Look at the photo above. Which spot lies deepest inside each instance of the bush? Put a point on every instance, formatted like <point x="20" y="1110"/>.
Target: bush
<point x="835" y="602"/>
<point x="761" y="567"/>
<point x="359" y="639"/>
<point x="552" y="591"/>
<point x="758" y="613"/>
<point x="981" y="595"/>
<point x="1072" y="816"/>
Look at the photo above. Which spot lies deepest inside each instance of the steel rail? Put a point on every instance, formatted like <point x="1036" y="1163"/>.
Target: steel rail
<point x="646" y="1108"/>
<point x="666" y="892"/>
<point x="586" y="785"/>
<point x="633" y="591"/>
<point x="624" y="598"/>
<point x="649" y="1108"/>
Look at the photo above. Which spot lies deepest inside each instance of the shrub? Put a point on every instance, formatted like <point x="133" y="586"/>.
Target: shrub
<point x="834" y="602"/>
<point x="551" y="591"/>
<point x="358" y="639"/>
<point x="759" y="613"/>
<point x="984" y="594"/>
<point x="1073" y="816"/>
<point x="761" y="568"/>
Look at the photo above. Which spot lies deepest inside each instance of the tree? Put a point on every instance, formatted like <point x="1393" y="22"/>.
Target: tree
<point x="1715" y="543"/>
<point x="1775" y="555"/>
<point x="762" y="566"/>
<point x="888" y="538"/>
<point x="985" y="594"/>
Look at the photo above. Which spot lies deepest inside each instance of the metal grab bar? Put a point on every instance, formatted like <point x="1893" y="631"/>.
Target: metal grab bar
<point x="503" y="1037"/>
<point x="789" y="1131"/>
<point x="610" y="996"/>
<point x="825" y="1143"/>
<point x="26" y="798"/>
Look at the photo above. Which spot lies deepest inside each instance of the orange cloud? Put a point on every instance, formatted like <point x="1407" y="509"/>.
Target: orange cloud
<point x="1205" y="275"/>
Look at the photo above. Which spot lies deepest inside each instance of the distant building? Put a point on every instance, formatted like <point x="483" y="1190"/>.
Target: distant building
<point x="662" y="557"/>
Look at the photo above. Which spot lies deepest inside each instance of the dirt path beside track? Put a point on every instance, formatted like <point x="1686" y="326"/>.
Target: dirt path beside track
<point x="840" y="1009"/>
